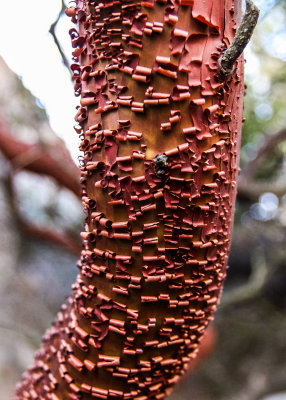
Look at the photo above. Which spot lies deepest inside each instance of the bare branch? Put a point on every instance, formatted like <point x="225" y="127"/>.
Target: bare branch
<point x="52" y="31"/>
<point x="242" y="37"/>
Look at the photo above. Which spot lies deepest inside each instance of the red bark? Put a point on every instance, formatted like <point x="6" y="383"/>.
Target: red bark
<point x="157" y="233"/>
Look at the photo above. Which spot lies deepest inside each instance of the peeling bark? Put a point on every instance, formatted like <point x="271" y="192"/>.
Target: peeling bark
<point x="155" y="244"/>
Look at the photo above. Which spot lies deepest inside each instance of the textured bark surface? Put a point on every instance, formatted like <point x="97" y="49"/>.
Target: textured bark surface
<point x="157" y="233"/>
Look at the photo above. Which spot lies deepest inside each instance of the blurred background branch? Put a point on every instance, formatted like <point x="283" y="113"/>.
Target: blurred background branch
<point x="49" y="159"/>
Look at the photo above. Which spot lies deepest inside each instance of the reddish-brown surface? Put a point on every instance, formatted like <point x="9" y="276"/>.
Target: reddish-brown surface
<point x="156" y="238"/>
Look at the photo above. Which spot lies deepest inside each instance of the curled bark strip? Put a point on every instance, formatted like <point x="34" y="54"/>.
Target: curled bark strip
<point x="242" y="37"/>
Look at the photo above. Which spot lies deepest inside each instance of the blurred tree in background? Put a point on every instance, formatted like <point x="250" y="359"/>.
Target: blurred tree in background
<point x="41" y="218"/>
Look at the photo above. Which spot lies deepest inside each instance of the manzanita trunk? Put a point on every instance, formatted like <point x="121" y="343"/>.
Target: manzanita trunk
<point x="160" y="131"/>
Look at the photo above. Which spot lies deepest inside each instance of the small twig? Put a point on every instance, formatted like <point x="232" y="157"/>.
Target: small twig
<point x="242" y="37"/>
<point x="52" y="31"/>
<point x="161" y="164"/>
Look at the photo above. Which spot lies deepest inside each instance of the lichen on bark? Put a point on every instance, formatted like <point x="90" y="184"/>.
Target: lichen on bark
<point x="242" y="37"/>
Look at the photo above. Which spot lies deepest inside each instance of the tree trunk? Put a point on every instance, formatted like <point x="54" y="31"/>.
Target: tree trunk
<point x="160" y="131"/>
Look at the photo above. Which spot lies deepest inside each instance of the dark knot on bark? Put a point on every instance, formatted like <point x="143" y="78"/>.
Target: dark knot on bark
<point x="161" y="164"/>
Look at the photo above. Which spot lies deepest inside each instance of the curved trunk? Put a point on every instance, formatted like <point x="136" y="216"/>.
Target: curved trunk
<point x="160" y="133"/>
